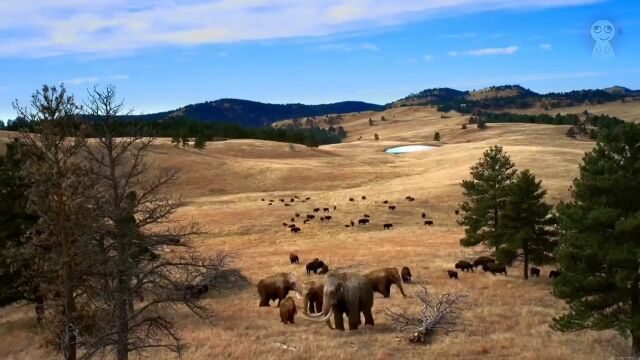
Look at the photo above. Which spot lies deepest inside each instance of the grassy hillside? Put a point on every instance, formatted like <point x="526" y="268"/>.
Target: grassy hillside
<point x="505" y="317"/>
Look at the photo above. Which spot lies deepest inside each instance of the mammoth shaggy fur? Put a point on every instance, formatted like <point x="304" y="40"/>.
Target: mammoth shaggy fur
<point x="276" y="287"/>
<point x="345" y="293"/>
<point x="382" y="279"/>
<point x="288" y="311"/>
<point x="313" y="296"/>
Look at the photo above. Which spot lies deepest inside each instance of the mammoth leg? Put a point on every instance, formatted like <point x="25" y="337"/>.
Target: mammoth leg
<point x="338" y="318"/>
<point x="368" y="317"/>
<point x="354" y="319"/>
<point x="264" y="300"/>
<point x="281" y="295"/>
<point x="387" y="289"/>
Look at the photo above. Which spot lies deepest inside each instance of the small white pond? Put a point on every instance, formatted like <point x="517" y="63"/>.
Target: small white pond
<point x="408" y="149"/>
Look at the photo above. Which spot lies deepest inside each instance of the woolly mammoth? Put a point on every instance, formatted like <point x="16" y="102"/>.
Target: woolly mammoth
<point x="345" y="293"/>
<point x="276" y="287"/>
<point x="382" y="279"/>
<point x="312" y="299"/>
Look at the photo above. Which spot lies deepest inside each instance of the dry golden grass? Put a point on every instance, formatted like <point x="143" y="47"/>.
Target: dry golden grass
<point x="506" y="317"/>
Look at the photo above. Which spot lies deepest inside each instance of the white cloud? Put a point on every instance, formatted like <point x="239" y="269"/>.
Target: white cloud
<point x="103" y="27"/>
<point x="370" y="47"/>
<point x="428" y="57"/>
<point x="94" y="79"/>
<point x="486" y="51"/>
<point x="546" y="47"/>
<point x="493" y="51"/>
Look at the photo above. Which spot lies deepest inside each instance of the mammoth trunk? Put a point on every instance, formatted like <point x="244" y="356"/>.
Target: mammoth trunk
<point x="305" y="304"/>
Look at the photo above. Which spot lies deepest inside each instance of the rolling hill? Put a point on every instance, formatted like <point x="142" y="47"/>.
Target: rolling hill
<point x="253" y="113"/>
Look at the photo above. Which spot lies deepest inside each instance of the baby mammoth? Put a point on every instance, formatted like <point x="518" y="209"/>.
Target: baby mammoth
<point x="276" y="287"/>
<point x="382" y="279"/>
<point x="288" y="311"/>
<point x="313" y="297"/>
<point x="406" y="275"/>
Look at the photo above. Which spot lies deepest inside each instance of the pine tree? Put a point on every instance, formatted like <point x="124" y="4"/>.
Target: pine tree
<point x="599" y="253"/>
<point x="200" y="142"/>
<point x="15" y="222"/>
<point x="525" y="224"/>
<point x="486" y="195"/>
<point x="185" y="140"/>
<point x="175" y="139"/>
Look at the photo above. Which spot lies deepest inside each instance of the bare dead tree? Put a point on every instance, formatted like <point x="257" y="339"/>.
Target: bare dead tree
<point x="440" y="312"/>
<point x="58" y="245"/>
<point x="139" y="281"/>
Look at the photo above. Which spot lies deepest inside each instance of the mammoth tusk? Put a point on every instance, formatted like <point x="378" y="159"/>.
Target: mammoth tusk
<point x="321" y="319"/>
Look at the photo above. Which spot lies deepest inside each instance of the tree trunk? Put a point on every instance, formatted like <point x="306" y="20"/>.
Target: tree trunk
<point x="39" y="300"/>
<point x="69" y="313"/>
<point x="122" y="304"/>
<point x="525" y="253"/>
<point x="635" y="314"/>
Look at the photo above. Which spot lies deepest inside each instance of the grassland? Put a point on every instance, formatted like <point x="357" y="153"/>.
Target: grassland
<point x="506" y="317"/>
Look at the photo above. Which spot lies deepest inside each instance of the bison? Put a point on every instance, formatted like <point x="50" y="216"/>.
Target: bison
<point x="363" y="221"/>
<point x="424" y="215"/>
<point x="495" y="268"/>
<point x="316" y="210"/>
<point x="315" y="265"/>
<point x="464" y="265"/>
<point x="364" y="197"/>
<point x="553" y="274"/>
<point x="366" y="215"/>
<point x="310" y="217"/>
<point x="294" y="258"/>
<point x="351" y="199"/>
<point x="428" y="222"/>
<point x="534" y="271"/>
<point x="392" y="207"/>
<point x="327" y="218"/>
<point x="452" y="274"/>
<point x="483" y="260"/>
<point x="295" y="229"/>
<point x="387" y="226"/>
<point x="385" y="202"/>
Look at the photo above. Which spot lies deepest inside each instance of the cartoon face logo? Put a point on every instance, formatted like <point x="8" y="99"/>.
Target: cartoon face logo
<point x="603" y="30"/>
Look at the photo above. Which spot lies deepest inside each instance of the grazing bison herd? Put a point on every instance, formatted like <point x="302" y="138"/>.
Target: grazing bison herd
<point x="308" y="218"/>
<point x="489" y="264"/>
<point x="341" y="293"/>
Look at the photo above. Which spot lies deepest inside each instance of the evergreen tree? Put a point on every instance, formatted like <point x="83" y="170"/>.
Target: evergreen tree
<point x="200" y="142"/>
<point x="525" y="224"/>
<point x="599" y="253"/>
<point x="175" y="139"/>
<point x="15" y="221"/>
<point x="185" y="140"/>
<point x="486" y="195"/>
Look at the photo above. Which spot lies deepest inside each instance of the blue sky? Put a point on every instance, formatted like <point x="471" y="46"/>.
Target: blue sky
<point x="162" y="54"/>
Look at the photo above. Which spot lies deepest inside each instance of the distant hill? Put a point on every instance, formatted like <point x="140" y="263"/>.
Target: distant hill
<point x="510" y="97"/>
<point x="256" y="114"/>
